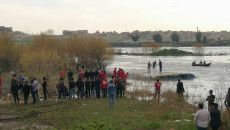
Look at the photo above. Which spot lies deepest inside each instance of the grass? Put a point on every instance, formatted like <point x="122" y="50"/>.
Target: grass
<point x="129" y="113"/>
<point x="173" y="52"/>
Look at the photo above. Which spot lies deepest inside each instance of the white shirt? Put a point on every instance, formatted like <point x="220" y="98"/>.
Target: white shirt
<point x="202" y="118"/>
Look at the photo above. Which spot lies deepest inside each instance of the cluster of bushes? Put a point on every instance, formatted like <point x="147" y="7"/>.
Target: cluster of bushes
<point x="172" y="52"/>
<point x="45" y="53"/>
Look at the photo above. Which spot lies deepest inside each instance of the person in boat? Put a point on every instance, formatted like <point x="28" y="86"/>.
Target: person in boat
<point x="201" y="62"/>
<point x="194" y="62"/>
<point x="204" y="62"/>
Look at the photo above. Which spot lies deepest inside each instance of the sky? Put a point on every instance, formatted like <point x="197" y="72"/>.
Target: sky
<point x="35" y="16"/>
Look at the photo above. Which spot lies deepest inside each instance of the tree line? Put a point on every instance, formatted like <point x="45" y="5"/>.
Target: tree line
<point x="175" y="37"/>
<point x="45" y="53"/>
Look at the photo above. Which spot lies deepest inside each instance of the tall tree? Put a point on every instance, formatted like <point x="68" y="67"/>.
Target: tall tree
<point x="204" y="39"/>
<point x="175" y="37"/>
<point x="198" y="36"/>
<point x="135" y="38"/>
<point x="157" y="38"/>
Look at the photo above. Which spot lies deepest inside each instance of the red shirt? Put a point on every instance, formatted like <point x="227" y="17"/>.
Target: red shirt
<point x="102" y="75"/>
<point x="62" y="74"/>
<point x="121" y="73"/>
<point x="115" y="74"/>
<point x="158" y="85"/>
<point x="125" y="76"/>
<point x="82" y="73"/>
<point x="104" y="84"/>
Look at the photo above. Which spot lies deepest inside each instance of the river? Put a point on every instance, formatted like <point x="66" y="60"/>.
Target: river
<point x="215" y="77"/>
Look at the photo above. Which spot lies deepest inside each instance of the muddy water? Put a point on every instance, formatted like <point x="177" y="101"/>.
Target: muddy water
<point x="215" y="77"/>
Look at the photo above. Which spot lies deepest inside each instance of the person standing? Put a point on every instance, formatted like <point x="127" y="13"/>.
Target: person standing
<point x="92" y="89"/>
<point x="98" y="86"/>
<point x="70" y="75"/>
<point x="160" y="65"/>
<point x="227" y="99"/>
<point x="115" y="73"/>
<point x="124" y="86"/>
<point x="119" y="87"/>
<point x="202" y="118"/>
<point x="149" y="67"/>
<point x="87" y="88"/>
<point x="14" y="89"/>
<point x="154" y="64"/>
<point x="102" y="75"/>
<point x="215" y="122"/>
<point x="157" y="90"/>
<point x="96" y="73"/>
<point x="26" y="92"/>
<point x="104" y="86"/>
<point x="80" y="87"/>
<point x="0" y="83"/>
<point x="44" y="86"/>
<point x="71" y="88"/>
<point x="34" y="89"/>
<point x="92" y="75"/>
<point x="210" y="99"/>
<point x="111" y="93"/>
<point x="61" y="88"/>
<point x="180" y="89"/>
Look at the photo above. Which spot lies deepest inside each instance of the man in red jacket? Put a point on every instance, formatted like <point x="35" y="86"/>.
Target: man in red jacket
<point x="104" y="86"/>
<point x="157" y="89"/>
<point x="102" y="75"/>
<point x="121" y="73"/>
<point x="0" y="83"/>
<point x="115" y="73"/>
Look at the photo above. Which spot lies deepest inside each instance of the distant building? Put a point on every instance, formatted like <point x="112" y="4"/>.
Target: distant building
<point x="4" y="29"/>
<point x="78" y="32"/>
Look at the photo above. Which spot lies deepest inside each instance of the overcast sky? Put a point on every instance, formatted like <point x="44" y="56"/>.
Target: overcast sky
<point x="34" y="16"/>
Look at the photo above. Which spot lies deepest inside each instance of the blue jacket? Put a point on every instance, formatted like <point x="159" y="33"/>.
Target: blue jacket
<point x="111" y="89"/>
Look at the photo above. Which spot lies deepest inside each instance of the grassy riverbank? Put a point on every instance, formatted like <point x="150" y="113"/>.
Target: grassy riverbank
<point x="129" y="113"/>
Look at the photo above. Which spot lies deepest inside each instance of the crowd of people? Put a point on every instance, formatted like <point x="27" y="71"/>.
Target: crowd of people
<point x="89" y="84"/>
<point x="203" y="118"/>
<point x="95" y="84"/>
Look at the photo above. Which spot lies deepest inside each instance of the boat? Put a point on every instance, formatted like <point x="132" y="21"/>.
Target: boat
<point x="206" y="64"/>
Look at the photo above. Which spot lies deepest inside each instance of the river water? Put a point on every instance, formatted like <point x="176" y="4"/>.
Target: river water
<point x="214" y="77"/>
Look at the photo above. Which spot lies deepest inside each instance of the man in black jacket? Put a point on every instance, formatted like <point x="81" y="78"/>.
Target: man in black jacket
<point x="44" y="85"/>
<point x="210" y="99"/>
<point x="227" y="99"/>
<point x="80" y="87"/>
<point x="15" y="89"/>
<point x="180" y="89"/>
<point x="26" y="92"/>
<point x="87" y="88"/>
<point x="215" y="122"/>
<point x="119" y="87"/>
<point x="71" y="88"/>
<point x="98" y="86"/>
